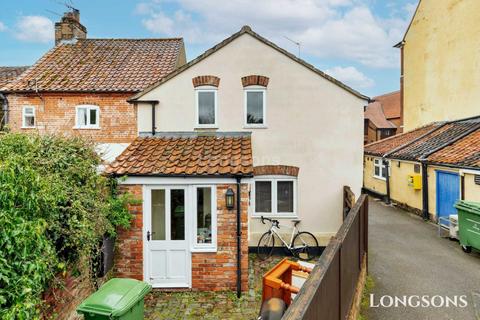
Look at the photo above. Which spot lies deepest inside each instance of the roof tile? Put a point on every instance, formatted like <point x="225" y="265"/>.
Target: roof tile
<point x="191" y="155"/>
<point x="93" y="65"/>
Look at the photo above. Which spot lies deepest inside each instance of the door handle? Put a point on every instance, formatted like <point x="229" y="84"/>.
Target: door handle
<point x="148" y="235"/>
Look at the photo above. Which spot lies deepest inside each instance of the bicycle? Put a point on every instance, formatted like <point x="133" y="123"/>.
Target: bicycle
<point x="302" y="244"/>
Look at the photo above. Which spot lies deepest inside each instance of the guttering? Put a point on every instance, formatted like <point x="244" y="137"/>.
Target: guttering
<point x="239" y="238"/>
<point x="425" y="209"/>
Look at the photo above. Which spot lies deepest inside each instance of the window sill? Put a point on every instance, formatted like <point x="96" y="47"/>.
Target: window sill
<point x="28" y="127"/>
<point x="86" y="128"/>
<point x="203" y="250"/>
<point x="275" y="216"/>
<point x="208" y="127"/>
<point x="251" y="126"/>
<point x="380" y="178"/>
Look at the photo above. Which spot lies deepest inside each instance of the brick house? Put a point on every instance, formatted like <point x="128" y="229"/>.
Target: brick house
<point x="383" y="117"/>
<point x="81" y="86"/>
<point x="245" y="117"/>
<point x="7" y="75"/>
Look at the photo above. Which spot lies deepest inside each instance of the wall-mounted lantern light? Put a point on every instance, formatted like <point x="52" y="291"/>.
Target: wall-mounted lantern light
<point x="229" y="198"/>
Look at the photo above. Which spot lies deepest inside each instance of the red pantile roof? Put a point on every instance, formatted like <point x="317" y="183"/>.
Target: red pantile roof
<point x="380" y="148"/>
<point x="463" y="153"/>
<point x="8" y="74"/>
<point x="186" y="154"/>
<point x="374" y="113"/>
<point x="102" y="65"/>
<point x="391" y="104"/>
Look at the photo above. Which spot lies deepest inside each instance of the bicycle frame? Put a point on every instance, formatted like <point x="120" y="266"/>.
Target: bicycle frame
<point x="274" y="229"/>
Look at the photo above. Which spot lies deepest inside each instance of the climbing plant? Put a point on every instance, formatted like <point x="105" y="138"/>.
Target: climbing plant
<point x="54" y="208"/>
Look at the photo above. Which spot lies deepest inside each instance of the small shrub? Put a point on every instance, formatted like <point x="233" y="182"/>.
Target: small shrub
<point x="54" y="208"/>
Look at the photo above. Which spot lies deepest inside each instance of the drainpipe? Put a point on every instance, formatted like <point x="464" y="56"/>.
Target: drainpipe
<point x="425" y="210"/>
<point x="239" y="239"/>
<point x="153" y="118"/>
<point x="4" y="106"/>
<point x="387" y="180"/>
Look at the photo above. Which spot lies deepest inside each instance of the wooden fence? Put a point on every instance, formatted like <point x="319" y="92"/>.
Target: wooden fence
<point x="329" y="290"/>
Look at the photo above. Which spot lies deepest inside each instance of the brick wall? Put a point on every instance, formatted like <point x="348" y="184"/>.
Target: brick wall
<point x="56" y="114"/>
<point x="129" y="244"/>
<point x="63" y="298"/>
<point x="218" y="271"/>
<point x="210" y="271"/>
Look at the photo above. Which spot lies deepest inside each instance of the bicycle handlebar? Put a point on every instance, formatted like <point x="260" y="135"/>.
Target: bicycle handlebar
<point x="273" y="221"/>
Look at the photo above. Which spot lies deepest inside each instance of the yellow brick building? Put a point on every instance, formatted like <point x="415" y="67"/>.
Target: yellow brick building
<point x="441" y="62"/>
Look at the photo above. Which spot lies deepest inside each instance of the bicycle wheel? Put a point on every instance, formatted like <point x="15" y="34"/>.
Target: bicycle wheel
<point x="266" y="245"/>
<point x="305" y="246"/>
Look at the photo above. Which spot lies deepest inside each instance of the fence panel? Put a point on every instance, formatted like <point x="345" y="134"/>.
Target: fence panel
<point x="329" y="290"/>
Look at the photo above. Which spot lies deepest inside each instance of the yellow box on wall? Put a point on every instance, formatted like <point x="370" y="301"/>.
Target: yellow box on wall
<point x="415" y="181"/>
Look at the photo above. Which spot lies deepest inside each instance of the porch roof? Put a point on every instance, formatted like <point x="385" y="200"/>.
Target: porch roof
<point x="192" y="154"/>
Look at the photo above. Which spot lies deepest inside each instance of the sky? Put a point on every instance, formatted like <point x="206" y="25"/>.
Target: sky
<point x="352" y="40"/>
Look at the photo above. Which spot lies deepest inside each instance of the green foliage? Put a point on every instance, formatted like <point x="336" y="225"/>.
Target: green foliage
<point x="54" y="208"/>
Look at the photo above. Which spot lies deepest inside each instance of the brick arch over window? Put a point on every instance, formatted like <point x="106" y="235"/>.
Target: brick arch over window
<point x="255" y="80"/>
<point x="274" y="170"/>
<point x="206" y="80"/>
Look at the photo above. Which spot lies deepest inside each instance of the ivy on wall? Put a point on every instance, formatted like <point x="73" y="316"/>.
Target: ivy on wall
<point x="54" y="208"/>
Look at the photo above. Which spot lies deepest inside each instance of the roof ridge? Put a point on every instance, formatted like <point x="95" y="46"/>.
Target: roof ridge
<point x="132" y="39"/>
<point x="386" y="94"/>
<point x="247" y="30"/>
<point x="194" y="134"/>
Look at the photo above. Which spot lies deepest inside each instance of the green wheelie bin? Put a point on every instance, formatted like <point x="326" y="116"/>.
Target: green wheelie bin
<point x="120" y="299"/>
<point x="469" y="224"/>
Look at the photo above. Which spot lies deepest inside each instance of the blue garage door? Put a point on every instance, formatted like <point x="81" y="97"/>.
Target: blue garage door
<point x="448" y="193"/>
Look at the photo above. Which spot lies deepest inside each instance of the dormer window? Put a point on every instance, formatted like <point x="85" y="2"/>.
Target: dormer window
<point x="206" y="101"/>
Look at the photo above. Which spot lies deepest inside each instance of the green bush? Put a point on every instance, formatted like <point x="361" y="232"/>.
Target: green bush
<point x="54" y="208"/>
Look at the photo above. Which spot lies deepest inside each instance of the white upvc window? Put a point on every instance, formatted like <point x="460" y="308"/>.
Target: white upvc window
<point x="87" y="117"/>
<point x="28" y="117"/>
<point x="206" y="107"/>
<point x="205" y="218"/>
<point x="255" y="105"/>
<point x="275" y="196"/>
<point x="379" y="169"/>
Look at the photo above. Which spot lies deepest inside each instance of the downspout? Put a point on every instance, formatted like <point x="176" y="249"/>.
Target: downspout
<point x="239" y="238"/>
<point x="4" y="120"/>
<point x="153" y="118"/>
<point x="387" y="180"/>
<point x="425" y="209"/>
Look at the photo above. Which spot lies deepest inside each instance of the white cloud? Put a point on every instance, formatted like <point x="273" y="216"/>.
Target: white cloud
<point x="3" y="27"/>
<point x="34" y="29"/>
<point x="351" y="76"/>
<point x="339" y="29"/>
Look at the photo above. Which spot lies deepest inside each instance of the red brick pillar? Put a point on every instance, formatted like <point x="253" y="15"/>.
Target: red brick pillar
<point x="129" y="243"/>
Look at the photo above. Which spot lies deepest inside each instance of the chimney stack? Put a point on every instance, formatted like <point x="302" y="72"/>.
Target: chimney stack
<point x="69" y="28"/>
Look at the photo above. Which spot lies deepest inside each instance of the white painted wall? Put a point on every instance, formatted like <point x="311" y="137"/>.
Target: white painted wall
<point x="312" y="123"/>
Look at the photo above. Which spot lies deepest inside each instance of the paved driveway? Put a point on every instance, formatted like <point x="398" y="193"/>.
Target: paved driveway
<point x="408" y="258"/>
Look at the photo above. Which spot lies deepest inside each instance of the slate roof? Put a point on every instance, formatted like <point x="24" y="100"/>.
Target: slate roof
<point x="189" y="154"/>
<point x="101" y="65"/>
<point x="374" y="113"/>
<point x="447" y="133"/>
<point x="463" y="153"/>
<point x="382" y="147"/>
<point x="8" y="74"/>
<point x="391" y="104"/>
<point x="248" y="30"/>
<point x="455" y="143"/>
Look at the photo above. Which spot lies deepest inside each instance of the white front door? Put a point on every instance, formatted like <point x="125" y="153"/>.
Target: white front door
<point x="167" y="260"/>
